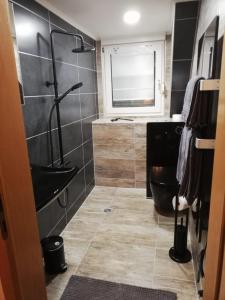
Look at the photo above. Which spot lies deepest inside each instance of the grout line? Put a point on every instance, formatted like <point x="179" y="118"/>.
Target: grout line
<point x="71" y="206"/>
<point x="38" y="96"/>
<point x="77" y="147"/>
<point x="185" y="19"/>
<point x="71" y="94"/>
<point x="82" y="134"/>
<point x="34" y="55"/>
<point x="31" y="11"/>
<point x="100" y="225"/>
<point x="54" y="227"/>
<point x="77" y="66"/>
<point x="57" y="61"/>
<point x="54" y="129"/>
<point x="182" y="59"/>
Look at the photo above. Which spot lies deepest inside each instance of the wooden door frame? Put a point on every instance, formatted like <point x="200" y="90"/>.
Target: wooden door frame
<point x="222" y="280"/>
<point x="22" y="247"/>
<point x="216" y="232"/>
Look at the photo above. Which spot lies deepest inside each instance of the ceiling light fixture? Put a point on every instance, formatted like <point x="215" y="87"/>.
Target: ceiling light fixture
<point x="131" y="17"/>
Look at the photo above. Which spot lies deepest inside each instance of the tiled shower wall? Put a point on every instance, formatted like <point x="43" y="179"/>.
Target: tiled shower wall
<point x="33" y="24"/>
<point x="186" y="14"/>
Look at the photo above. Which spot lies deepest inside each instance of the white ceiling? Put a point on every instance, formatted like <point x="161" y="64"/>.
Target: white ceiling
<point x="103" y="19"/>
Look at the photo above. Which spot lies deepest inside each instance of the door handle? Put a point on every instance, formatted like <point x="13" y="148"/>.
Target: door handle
<point x="3" y="228"/>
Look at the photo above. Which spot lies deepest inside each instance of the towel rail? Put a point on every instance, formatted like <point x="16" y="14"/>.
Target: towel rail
<point x="206" y="144"/>
<point x="210" y="85"/>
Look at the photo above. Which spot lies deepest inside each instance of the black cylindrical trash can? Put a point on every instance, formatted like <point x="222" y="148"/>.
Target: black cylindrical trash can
<point x="53" y="252"/>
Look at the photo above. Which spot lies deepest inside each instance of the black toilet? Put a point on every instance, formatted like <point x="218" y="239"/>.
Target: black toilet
<point x="163" y="139"/>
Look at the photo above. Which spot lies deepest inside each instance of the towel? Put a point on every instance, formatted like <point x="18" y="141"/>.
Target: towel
<point x="189" y="94"/>
<point x="190" y="183"/>
<point x="189" y="164"/>
<point x="188" y="116"/>
<point x="182" y="203"/>
<point x="183" y="153"/>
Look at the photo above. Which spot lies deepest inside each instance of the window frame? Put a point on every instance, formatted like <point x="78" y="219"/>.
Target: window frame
<point x="158" y="108"/>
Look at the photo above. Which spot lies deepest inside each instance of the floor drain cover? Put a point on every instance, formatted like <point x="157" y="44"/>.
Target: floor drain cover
<point x="107" y="210"/>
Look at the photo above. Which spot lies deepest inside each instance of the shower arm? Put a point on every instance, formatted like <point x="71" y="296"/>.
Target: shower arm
<point x="55" y="84"/>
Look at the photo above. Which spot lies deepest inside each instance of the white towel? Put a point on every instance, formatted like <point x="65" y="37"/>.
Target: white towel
<point x="188" y="97"/>
<point x="182" y="203"/>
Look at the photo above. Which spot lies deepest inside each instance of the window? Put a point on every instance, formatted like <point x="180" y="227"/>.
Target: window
<point x="133" y="78"/>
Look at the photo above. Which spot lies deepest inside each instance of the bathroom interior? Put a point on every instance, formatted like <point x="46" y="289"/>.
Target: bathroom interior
<point x="117" y="108"/>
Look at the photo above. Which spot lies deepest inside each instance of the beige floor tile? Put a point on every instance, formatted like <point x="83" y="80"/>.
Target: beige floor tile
<point x="136" y="204"/>
<point x="130" y="234"/>
<point x="164" y="236"/>
<point x="127" y="245"/>
<point x="57" y="285"/>
<point x="99" y="203"/>
<point x="116" y="260"/>
<point x="75" y="251"/>
<point x="130" y="217"/>
<point x="102" y="191"/>
<point x="91" y="214"/>
<point x="185" y="290"/>
<point x="165" y="267"/>
<point x="130" y="192"/>
<point x="80" y="229"/>
<point x="165" y="220"/>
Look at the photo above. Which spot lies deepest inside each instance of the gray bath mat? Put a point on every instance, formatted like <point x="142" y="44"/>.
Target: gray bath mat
<point x="83" y="288"/>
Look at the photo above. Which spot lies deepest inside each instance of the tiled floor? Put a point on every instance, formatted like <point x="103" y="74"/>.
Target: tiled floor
<point x="128" y="244"/>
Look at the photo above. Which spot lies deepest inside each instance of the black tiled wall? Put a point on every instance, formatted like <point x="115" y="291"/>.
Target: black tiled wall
<point x="186" y="14"/>
<point x="33" y="24"/>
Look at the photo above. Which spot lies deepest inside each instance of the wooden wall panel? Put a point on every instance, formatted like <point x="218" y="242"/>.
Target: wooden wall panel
<point x="16" y="186"/>
<point x="216" y="230"/>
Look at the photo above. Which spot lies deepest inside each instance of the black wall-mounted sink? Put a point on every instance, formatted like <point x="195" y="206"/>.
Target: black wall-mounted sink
<point x="49" y="182"/>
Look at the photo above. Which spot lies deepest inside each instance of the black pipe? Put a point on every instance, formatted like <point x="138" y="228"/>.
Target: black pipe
<point x="55" y="84"/>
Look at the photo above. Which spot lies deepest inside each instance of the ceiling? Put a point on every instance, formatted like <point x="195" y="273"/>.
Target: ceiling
<point x="103" y="19"/>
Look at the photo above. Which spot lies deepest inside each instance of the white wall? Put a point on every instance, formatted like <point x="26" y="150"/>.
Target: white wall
<point x="209" y="10"/>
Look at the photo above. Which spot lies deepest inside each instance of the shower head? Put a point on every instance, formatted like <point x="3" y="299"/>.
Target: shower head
<point x="74" y="87"/>
<point x="82" y="49"/>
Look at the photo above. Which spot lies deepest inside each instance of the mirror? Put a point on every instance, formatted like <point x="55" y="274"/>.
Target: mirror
<point x="207" y="50"/>
<point x="16" y="53"/>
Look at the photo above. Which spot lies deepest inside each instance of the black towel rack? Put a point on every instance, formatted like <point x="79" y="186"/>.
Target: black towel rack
<point x="207" y="85"/>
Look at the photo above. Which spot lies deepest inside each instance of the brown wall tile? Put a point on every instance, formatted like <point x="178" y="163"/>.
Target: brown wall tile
<point x="140" y="173"/>
<point x="140" y="184"/>
<point x="113" y="134"/>
<point x="114" y="168"/>
<point x="115" y="151"/>
<point x="140" y="132"/>
<point x="115" y="182"/>
<point x="140" y="151"/>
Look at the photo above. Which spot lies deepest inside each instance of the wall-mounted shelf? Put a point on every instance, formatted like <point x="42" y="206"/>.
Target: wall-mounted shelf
<point x="206" y="144"/>
<point x="210" y="85"/>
